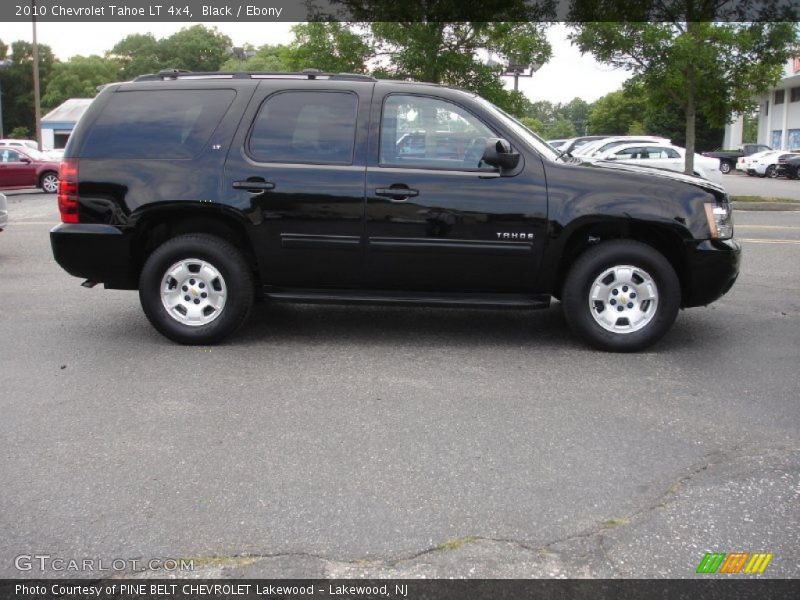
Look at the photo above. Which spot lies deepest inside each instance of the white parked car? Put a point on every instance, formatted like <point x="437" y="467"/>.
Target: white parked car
<point x="599" y="148"/>
<point x="765" y="164"/>
<point x="32" y="145"/>
<point x="665" y="156"/>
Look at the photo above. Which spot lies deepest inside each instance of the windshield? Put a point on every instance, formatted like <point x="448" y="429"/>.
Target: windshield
<point x="534" y="140"/>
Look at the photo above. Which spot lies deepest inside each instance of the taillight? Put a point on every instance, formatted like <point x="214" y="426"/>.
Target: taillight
<point x="68" y="190"/>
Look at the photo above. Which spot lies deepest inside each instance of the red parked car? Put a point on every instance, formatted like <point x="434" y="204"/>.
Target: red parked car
<point x="27" y="169"/>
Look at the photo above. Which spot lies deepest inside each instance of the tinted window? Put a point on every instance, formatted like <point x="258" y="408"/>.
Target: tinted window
<point x="157" y="124"/>
<point x="417" y="131"/>
<point x="305" y="127"/>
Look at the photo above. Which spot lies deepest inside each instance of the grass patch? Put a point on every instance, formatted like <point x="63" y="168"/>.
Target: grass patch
<point x="455" y="544"/>
<point x="762" y="199"/>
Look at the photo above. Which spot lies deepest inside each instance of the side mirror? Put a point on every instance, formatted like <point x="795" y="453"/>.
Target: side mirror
<point x="25" y="160"/>
<point x="498" y="154"/>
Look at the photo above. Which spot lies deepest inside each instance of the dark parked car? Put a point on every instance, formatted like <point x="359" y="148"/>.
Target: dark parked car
<point x="728" y="158"/>
<point x="204" y="191"/>
<point x="789" y="166"/>
<point x="27" y="169"/>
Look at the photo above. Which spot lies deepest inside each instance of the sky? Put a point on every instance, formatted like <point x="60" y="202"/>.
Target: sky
<point x="567" y="75"/>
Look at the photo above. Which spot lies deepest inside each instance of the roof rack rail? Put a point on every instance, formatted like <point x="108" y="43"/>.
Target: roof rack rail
<point x="173" y="74"/>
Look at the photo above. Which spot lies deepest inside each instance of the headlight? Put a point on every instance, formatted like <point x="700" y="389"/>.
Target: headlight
<point x="720" y="219"/>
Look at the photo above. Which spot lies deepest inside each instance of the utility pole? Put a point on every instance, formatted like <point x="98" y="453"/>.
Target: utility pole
<point x="36" y="98"/>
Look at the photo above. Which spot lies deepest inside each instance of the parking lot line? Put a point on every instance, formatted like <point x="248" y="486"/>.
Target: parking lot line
<point x="741" y="226"/>
<point x="767" y="241"/>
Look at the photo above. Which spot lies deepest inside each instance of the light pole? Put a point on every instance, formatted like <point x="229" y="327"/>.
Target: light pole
<point x="240" y="53"/>
<point x="518" y="69"/>
<point x="3" y="64"/>
<point x="36" y="98"/>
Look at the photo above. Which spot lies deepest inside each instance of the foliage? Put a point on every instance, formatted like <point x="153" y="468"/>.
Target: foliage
<point x="332" y="47"/>
<point x="534" y="124"/>
<point x="614" y="113"/>
<point x="20" y="133"/>
<point x="16" y="81"/>
<point x="196" y="48"/>
<point x="449" y="53"/>
<point x="79" y="77"/>
<point x="710" y="69"/>
<point x="268" y="57"/>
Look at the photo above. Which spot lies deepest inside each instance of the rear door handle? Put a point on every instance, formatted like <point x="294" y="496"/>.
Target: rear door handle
<point x="254" y="186"/>
<point x="397" y="194"/>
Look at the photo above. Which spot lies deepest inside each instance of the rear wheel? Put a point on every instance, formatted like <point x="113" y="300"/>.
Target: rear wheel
<point x="725" y="167"/>
<point x="196" y="289"/>
<point x="771" y="171"/>
<point x="621" y="296"/>
<point x="49" y="182"/>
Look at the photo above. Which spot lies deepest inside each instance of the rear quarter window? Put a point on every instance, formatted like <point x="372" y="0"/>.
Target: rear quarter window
<point x="157" y="123"/>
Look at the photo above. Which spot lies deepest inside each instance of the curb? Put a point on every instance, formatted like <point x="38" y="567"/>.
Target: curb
<point x="766" y="206"/>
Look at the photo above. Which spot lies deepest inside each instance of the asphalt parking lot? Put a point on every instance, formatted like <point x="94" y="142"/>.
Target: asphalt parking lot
<point x="349" y="442"/>
<point x="740" y="184"/>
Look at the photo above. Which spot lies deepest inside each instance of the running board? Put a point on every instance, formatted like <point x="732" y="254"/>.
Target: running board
<point x="394" y="298"/>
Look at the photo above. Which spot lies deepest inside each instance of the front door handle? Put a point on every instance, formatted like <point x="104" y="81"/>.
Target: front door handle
<point x="255" y="185"/>
<point x="397" y="193"/>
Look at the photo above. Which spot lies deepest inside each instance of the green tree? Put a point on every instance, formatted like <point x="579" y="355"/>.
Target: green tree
<point x="534" y="124"/>
<point x="196" y="48"/>
<point x="614" y="113"/>
<point x="560" y="128"/>
<point x="78" y="78"/>
<point x="138" y="54"/>
<point x="448" y="53"/>
<point x="329" y="46"/>
<point x="576" y="111"/>
<point x="709" y="69"/>
<point x="268" y="57"/>
<point x="16" y="81"/>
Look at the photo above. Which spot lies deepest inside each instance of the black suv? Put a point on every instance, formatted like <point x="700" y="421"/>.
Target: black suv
<point x="205" y="191"/>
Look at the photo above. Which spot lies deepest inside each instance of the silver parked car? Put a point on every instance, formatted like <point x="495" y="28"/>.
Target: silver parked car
<point x="3" y="212"/>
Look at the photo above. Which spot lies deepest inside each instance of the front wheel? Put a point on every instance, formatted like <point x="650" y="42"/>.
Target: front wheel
<point x="196" y="289"/>
<point x="621" y="296"/>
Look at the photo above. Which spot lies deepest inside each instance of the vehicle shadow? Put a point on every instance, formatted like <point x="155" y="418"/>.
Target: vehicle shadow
<point x="393" y="326"/>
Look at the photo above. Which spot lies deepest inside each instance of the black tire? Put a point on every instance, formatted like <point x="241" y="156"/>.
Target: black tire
<point x="771" y="172"/>
<point x="725" y="167"/>
<point x="49" y="182"/>
<point x="237" y="284"/>
<point x="591" y="265"/>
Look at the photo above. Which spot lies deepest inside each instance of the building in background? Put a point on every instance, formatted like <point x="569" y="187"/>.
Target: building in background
<point x="778" y="114"/>
<point x="57" y="125"/>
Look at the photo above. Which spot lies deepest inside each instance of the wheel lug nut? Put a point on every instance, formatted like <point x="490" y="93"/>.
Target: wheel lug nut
<point x="202" y="285"/>
<point x="186" y="298"/>
<point x="613" y="302"/>
<point x="633" y="294"/>
<point x="185" y="288"/>
<point x="630" y="304"/>
<point x="203" y="295"/>
<point x="615" y="292"/>
<point x="191" y="281"/>
<point x="624" y="288"/>
<point x="197" y="300"/>
<point x="620" y="308"/>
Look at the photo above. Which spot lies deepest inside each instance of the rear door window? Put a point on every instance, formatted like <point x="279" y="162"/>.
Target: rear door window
<point x="305" y="127"/>
<point x="157" y="123"/>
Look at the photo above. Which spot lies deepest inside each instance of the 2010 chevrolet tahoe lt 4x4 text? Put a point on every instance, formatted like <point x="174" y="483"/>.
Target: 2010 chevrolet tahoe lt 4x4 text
<point x="204" y="191"/>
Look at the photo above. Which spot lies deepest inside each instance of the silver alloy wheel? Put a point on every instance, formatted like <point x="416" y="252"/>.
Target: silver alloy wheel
<point x="50" y="183"/>
<point x="623" y="299"/>
<point x="193" y="292"/>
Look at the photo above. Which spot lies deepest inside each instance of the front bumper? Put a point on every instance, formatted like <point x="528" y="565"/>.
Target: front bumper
<point x="713" y="269"/>
<point x="99" y="253"/>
